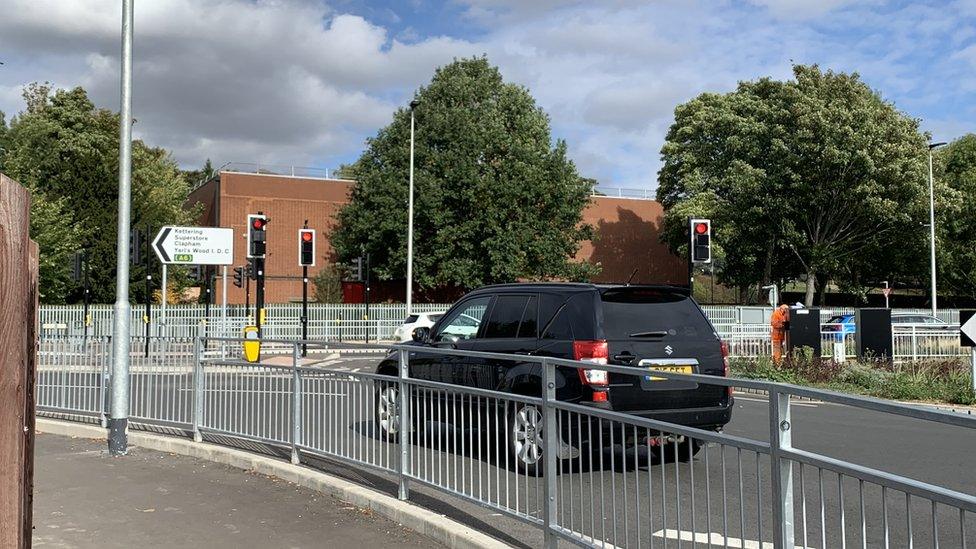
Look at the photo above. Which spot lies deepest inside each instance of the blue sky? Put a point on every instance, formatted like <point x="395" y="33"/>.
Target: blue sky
<point x="304" y="82"/>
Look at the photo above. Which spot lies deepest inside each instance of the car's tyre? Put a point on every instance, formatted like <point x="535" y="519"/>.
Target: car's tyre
<point x="688" y="449"/>
<point x="387" y="412"/>
<point x="525" y="438"/>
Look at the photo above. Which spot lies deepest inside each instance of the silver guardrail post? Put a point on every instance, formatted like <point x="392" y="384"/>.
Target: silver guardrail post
<point x="107" y="379"/>
<point x="102" y="351"/>
<point x="550" y="452"/>
<point x="296" y="403"/>
<point x="403" y="491"/>
<point x="781" y="473"/>
<point x="197" y="389"/>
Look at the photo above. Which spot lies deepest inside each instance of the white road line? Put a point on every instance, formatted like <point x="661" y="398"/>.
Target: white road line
<point x="792" y="402"/>
<point x="714" y="539"/>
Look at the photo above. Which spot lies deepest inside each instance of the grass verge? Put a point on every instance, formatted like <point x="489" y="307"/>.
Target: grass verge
<point x="944" y="380"/>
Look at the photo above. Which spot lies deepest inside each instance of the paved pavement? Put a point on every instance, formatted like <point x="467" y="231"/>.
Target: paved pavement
<point x="85" y="498"/>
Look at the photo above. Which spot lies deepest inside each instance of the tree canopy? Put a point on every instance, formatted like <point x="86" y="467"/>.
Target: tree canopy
<point x="495" y="200"/>
<point x="817" y="176"/>
<point x="956" y="216"/>
<point x="66" y="151"/>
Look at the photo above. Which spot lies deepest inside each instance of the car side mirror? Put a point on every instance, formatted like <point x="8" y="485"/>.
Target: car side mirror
<point x="420" y="335"/>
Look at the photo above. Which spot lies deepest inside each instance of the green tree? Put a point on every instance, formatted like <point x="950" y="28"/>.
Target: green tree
<point x="956" y="216"/>
<point x="495" y="201"/>
<point x="328" y="284"/>
<point x="66" y="151"/>
<point x="818" y="176"/>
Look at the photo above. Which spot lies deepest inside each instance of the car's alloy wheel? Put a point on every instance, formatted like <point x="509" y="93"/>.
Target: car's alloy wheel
<point x="526" y="432"/>
<point x="387" y="410"/>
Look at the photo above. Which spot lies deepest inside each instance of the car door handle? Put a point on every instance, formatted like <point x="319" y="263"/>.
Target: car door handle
<point x="624" y="357"/>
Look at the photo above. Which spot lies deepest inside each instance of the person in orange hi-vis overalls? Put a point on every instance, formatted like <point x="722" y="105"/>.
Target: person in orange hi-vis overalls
<point x="779" y="321"/>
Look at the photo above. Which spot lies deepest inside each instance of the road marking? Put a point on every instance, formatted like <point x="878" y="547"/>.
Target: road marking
<point x="766" y="401"/>
<point x="715" y="539"/>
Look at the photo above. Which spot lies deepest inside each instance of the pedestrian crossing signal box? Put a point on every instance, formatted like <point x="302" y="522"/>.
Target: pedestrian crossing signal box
<point x="805" y="331"/>
<point x="252" y="345"/>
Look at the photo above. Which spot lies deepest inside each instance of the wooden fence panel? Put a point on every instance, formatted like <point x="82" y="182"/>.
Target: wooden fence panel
<point x="18" y="336"/>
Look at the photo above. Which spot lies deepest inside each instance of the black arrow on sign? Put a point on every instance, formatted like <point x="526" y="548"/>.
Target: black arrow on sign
<point x="159" y="244"/>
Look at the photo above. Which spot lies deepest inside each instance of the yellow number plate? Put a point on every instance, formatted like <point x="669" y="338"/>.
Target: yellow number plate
<point x="675" y="369"/>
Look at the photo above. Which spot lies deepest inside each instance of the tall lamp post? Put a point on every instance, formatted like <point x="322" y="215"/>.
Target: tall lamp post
<point x="119" y="417"/>
<point x="932" y="147"/>
<point x="413" y="107"/>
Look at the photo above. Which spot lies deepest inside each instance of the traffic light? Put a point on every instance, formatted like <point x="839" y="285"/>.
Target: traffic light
<point x="239" y="277"/>
<point x="701" y="240"/>
<point x="306" y="247"/>
<point x="257" y="235"/>
<point x="135" y="247"/>
<point x="77" y="264"/>
<point x="249" y="271"/>
<point x="196" y="273"/>
<point x="357" y="269"/>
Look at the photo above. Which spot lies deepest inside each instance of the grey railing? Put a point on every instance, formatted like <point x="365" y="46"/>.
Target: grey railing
<point x="590" y="476"/>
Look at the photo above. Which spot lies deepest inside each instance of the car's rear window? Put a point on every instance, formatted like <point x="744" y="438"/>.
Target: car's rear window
<point x="411" y="319"/>
<point x="630" y="312"/>
<point x="835" y="319"/>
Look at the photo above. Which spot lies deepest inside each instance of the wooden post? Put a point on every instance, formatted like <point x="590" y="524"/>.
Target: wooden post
<point x="18" y="337"/>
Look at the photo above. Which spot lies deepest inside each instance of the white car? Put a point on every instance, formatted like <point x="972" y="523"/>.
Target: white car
<point x="404" y="332"/>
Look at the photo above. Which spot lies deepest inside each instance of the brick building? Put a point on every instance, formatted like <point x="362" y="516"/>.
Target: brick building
<point x="628" y="228"/>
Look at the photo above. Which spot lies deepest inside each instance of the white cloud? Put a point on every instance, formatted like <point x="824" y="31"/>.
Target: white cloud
<point x="802" y="9"/>
<point x="292" y="81"/>
<point x="229" y="79"/>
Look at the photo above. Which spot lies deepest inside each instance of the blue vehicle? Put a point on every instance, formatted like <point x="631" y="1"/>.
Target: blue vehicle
<point x="841" y="325"/>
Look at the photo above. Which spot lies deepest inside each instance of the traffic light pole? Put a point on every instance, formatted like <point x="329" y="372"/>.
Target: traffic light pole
<point x="367" y="297"/>
<point x="206" y="311"/>
<point x="304" y="310"/>
<point x="259" y="294"/>
<point x="247" y="288"/>
<point x="87" y="290"/>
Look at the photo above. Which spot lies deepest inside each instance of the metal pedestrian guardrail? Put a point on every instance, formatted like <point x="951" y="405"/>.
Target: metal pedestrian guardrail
<point x="590" y="476"/>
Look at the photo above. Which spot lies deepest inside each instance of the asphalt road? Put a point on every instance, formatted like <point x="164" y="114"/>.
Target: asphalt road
<point x="622" y="499"/>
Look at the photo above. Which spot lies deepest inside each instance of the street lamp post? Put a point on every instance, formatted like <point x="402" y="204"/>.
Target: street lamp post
<point x="932" y="147"/>
<point x="413" y="107"/>
<point x="119" y="418"/>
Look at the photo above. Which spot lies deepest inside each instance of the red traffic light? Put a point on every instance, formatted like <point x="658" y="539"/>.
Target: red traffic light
<point x="259" y="223"/>
<point x="306" y="236"/>
<point x="701" y="228"/>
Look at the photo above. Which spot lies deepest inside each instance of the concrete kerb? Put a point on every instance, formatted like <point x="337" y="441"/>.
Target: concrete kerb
<point x="436" y="527"/>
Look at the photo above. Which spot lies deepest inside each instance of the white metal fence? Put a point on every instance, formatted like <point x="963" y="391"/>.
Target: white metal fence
<point x="746" y="329"/>
<point x="593" y="477"/>
<point x="329" y="321"/>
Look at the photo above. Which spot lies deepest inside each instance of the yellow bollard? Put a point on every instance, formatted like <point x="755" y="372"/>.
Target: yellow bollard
<point x="252" y="345"/>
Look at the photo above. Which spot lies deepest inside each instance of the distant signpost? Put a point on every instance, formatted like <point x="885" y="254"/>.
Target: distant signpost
<point x="194" y="246"/>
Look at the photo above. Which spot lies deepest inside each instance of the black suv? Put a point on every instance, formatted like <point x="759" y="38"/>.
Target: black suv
<point x="624" y="325"/>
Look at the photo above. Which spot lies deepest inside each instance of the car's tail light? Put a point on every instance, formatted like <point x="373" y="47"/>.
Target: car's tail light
<point x="597" y="352"/>
<point x="725" y="364"/>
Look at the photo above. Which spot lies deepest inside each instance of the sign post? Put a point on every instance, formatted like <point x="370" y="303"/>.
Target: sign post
<point x="193" y="246"/>
<point x="967" y="338"/>
<point x="147" y="318"/>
